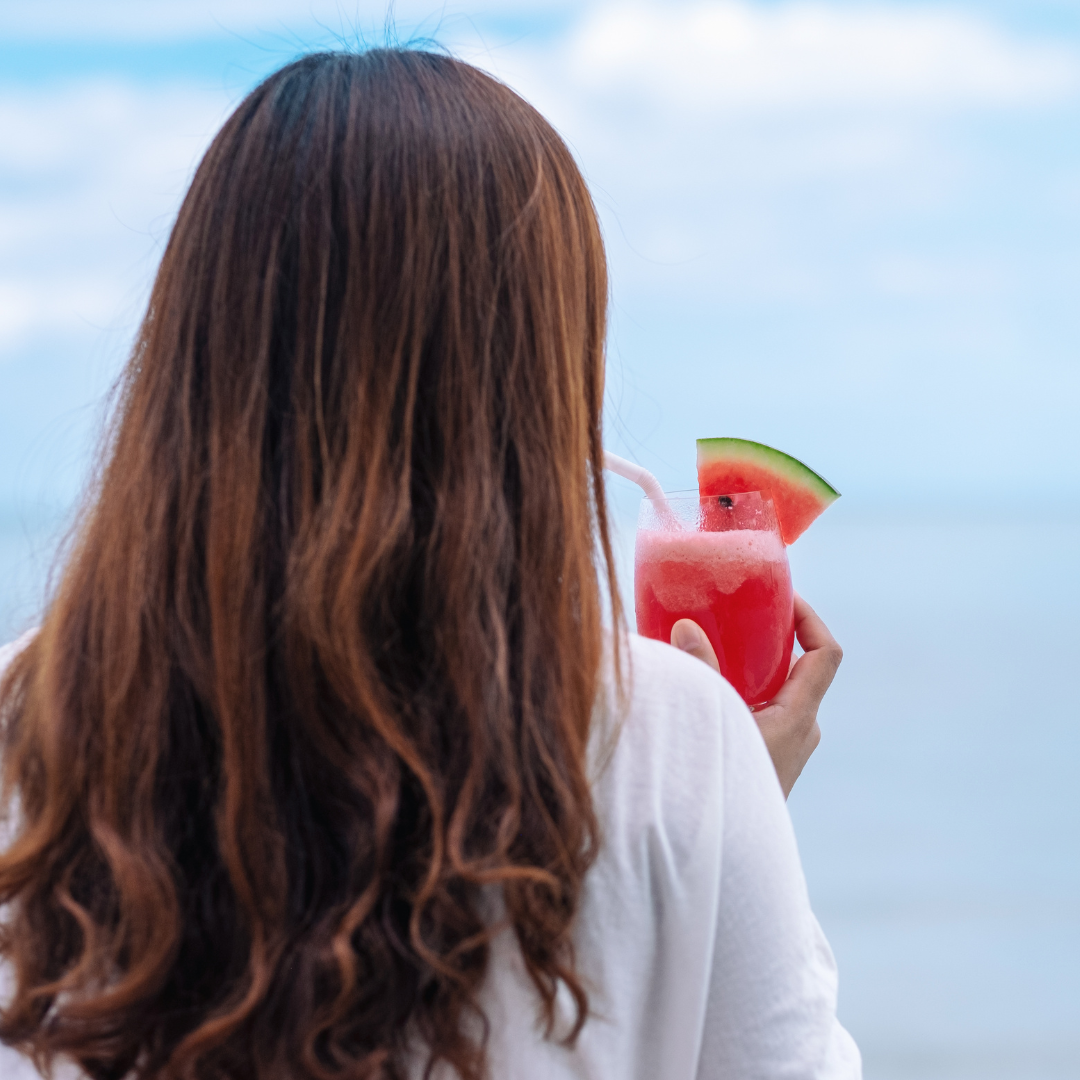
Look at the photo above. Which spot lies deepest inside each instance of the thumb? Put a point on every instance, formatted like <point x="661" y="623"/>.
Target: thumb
<point x="690" y="638"/>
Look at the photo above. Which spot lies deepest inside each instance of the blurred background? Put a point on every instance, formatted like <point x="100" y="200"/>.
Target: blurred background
<point x="848" y="229"/>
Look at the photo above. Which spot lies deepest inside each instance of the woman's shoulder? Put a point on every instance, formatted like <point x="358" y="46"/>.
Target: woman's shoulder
<point x="672" y="698"/>
<point x="660" y="673"/>
<point x="663" y="749"/>
<point x="12" y="649"/>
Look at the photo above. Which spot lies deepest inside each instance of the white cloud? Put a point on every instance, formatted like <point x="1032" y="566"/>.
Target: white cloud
<point x="697" y="55"/>
<point x="732" y="55"/>
<point x="751" y="147"/>
<point x="58" y="304"/>
<point x="159" y="20"/>
<point x="721" y="138"/>
<point x="800" y="213"/>
<point x="90" y="177"/>
<point x="78" y="130"/>
<point x="143" y="20"/>
<point x="920" y="277"/>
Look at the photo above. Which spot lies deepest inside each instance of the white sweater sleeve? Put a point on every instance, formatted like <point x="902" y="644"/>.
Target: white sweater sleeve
<point x="771" y="1006"/>
<point x="13" y="648"/>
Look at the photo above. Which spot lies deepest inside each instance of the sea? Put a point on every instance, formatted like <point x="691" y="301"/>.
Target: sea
<point x="939" y="821"/>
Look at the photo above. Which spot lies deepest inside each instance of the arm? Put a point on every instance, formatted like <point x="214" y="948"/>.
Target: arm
<point x="789" y="722"/>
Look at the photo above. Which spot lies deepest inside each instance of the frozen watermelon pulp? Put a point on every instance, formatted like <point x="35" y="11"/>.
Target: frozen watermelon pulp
<point x="732" y="466"/>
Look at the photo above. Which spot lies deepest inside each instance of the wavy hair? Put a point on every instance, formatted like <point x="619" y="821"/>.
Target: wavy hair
<point x="320" y="670"/>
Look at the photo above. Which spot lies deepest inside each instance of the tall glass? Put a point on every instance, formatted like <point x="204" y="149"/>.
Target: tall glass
<point x="719" y="560"/>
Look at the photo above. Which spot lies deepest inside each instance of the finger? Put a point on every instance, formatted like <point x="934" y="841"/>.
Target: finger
<point x="811" y="676"/>
<point x="690" y="638"/>
<point x="813" y="634"/>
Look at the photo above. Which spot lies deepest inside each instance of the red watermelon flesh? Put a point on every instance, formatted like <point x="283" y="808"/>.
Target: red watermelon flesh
<point x="732" y="466"/>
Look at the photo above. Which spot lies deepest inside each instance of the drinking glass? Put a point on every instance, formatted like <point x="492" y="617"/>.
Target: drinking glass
<point x="719" y="560"/>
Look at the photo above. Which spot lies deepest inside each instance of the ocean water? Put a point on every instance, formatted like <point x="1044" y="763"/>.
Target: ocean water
<point x="939" y="821"/>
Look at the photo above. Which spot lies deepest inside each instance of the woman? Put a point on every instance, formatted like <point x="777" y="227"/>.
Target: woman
<point x="319" y="765"/>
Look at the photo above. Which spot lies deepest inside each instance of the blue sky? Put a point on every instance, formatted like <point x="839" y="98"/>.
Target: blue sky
<point x="848" y="229"/>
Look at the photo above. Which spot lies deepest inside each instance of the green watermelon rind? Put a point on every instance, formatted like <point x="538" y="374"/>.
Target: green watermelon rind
<point x="791" y="469"/>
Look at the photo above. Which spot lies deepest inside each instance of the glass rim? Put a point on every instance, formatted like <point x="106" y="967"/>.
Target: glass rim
<point x="688" y="494"/>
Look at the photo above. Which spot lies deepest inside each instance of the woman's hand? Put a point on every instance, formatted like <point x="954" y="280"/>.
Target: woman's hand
<point x="789" y="722"/>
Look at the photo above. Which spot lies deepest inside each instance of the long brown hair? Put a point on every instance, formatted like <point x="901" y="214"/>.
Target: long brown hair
<point x="320" y="670"/>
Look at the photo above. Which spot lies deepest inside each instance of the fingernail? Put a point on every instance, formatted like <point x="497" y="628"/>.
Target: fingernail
<point x="685" y="636"/>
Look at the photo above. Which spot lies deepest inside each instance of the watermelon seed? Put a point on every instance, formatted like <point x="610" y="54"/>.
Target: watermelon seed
<point x="726" y="501"/>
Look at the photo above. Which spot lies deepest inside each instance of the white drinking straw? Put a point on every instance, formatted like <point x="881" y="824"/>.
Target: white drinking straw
<point x="640" y="476"/>
<point x="647" y="482"/>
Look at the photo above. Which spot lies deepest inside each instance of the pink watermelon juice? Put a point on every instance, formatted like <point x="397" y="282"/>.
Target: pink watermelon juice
<point x="726" y="568"/>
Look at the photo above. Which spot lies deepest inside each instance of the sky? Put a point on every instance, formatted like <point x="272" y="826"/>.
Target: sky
<point x="848" y="229"/>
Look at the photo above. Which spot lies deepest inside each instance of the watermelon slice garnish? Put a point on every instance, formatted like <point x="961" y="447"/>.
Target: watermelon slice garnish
<point x="732" y="466"/>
